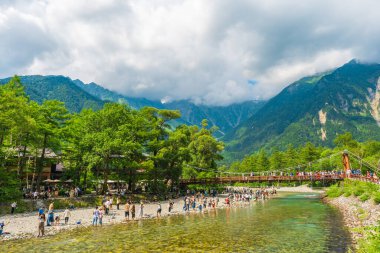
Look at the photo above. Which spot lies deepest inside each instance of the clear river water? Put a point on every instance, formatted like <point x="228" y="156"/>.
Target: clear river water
<point x="292" y="222"/>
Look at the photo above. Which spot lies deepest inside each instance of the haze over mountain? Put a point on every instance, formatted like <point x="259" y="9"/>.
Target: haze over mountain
<point x="315" y="109"/>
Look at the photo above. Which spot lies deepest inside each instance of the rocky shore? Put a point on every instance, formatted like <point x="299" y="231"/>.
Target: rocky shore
<point x="356" y="214"/>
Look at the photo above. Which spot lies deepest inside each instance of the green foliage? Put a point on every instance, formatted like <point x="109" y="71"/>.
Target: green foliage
<point x="363" y="190"/>
<point x="345" y="140"/>
<point x="334" y="191"/>
<point x="116" y="143"/>
<point x="9" y="186"/>
<point x="370" y="242"/>
<point x="364" y="197"/>
<point x="376" y="197"/>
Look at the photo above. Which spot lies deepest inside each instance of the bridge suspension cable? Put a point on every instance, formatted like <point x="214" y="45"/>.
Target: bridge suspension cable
<point x="367" y="164"/>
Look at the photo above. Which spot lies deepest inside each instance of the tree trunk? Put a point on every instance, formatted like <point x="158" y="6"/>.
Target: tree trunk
<point x="22" y="160"/>
<point x="105" y="188"/>
<point x="130" y="181"/>
<point x="85" y="180"/>
<point x="40" y="165"/>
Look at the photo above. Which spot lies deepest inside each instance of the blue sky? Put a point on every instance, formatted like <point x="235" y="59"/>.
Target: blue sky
<point x="207" y="51"/>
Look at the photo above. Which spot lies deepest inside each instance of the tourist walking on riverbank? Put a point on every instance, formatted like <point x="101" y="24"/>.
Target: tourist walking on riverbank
<point x="159" y="209"/>
<point x="111" y="202"/>
<point x="171" y="203"/>
<point x="13" y="207"/>
<point x="95" y="217"/>
<point x="66" y="215"/>
<point x="126" y="210"/>
<point x="107" y="205"/>
<point x="118" y="201"/>
<point x="101" y="214"/>
<point x="41" y="224"/>
<point x="133" y="211"/>
<point x="141" y="209"/>
<point x="50" y="218"/>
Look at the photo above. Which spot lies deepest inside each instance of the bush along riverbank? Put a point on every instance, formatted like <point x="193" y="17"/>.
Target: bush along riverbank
<point x="359" y="203"/>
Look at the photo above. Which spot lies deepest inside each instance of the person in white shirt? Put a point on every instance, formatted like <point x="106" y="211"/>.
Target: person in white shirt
<point x="66" y="215"/>
<point x="107" y="204"/>
<point x="13" y="206"/>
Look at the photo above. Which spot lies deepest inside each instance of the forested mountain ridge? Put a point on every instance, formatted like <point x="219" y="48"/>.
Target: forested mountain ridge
<point x="77" y="95"/>
<point x="315" y="109"/>
<point x="40" y="88"/>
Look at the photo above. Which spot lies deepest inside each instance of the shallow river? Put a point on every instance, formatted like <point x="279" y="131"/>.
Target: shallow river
<point x="290" y="223"/>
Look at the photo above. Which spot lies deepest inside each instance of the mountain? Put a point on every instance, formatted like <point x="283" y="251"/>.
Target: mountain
<point x="77" y="95"/>
<point x="224" y="117"/>
<point x="41" y="88"/>
<point x="315" y="109"/>
<point x="107" y="95"/>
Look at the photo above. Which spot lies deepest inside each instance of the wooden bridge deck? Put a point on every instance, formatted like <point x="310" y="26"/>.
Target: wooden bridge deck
<point x="249" y="179"/>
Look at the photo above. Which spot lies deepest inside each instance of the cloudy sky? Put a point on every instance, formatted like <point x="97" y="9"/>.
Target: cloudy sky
<point x="211" y="51"/>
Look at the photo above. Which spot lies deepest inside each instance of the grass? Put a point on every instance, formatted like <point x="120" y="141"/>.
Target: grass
<point x="370" y="243"/>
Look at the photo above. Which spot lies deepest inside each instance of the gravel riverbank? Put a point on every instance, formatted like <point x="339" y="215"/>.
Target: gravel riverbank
<point x="21" y="226"/>
<point x="26" y="225"/>
<point x="356" y="214"/>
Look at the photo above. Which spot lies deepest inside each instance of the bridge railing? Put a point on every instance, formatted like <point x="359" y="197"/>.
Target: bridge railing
<point x="247" y="179"/>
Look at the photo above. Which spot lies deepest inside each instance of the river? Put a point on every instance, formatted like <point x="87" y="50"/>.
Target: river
<point x="292" y="222"/>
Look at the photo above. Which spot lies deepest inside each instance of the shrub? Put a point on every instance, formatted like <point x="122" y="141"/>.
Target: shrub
<point x="347" y="193"/>
<point x="334" y="191"/>
<point x="358" y="191"/>
<point x="376" y="197"/>
<point x="364" y="197"/>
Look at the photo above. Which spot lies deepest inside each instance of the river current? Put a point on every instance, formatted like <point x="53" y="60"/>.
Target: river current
<point x="292" y="222"/>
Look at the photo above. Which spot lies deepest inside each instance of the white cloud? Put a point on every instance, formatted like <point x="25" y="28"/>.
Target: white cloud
<point x="207" y="51"/>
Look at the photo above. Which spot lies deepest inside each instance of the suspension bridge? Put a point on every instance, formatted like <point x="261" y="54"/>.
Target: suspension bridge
<point x="287" y="175"/>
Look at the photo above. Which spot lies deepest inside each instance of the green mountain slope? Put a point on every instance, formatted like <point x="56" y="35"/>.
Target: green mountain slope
<point x="40" y="88"/>
<point x="315" y="109"/>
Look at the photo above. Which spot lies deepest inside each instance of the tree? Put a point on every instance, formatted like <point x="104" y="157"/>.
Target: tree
<point x="276" y="160"/>
<point x="204" y="148"/>
<point x="175" y="153"/>
<point x="51" y="119"/>
<point x="262" y="161"/>
<point x="345" y="140"/>
<point x="158" y="131"/>
<point x="308" y="154"/>
<point x="13" y="114"/>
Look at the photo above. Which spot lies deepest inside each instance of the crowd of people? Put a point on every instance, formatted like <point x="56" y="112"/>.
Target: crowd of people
<point x="52" y="191"/>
